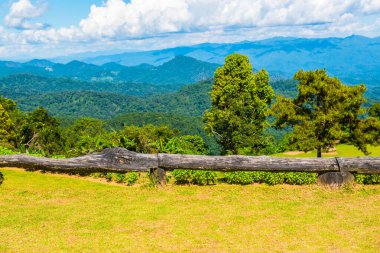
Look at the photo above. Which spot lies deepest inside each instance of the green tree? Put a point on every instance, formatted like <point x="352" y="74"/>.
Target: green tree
<point x="146" y="139"/>
<point x="6" y="126"/>
<point x="40" y="132"/>
<point x="86" y="135"/>
<point x="187" y="144"/>
<point x="325" y="111"/>
<point x="240" y="101"/>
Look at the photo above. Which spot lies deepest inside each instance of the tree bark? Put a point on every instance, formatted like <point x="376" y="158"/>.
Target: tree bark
<point x="319" y="152"/>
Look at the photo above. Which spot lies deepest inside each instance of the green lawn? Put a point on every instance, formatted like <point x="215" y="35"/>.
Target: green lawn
<point x="59" y="213"/>
<point x="342" y="150"/>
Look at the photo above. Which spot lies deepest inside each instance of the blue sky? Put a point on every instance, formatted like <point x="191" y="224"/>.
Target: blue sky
<point x="50" y="28"/>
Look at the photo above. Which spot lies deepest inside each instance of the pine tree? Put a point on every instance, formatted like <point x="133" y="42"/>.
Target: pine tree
<point x="324" y="112"/>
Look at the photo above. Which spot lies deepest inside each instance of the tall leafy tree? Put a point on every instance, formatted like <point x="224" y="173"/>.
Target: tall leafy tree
<point x="240" y="101"/>
<point x="6" y="126"/>
<point x="40" y="132"/>
<point x="325" y="111"/>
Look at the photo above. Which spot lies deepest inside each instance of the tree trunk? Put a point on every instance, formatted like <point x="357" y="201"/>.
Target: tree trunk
<point x="319" y="152"/>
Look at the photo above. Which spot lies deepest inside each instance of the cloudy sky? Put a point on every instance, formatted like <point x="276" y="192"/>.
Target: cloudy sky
<point x="49" y="28"/>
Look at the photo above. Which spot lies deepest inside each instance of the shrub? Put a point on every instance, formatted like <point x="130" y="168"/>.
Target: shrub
<point x="5" y="151"/>
<point x="118" y="177"/>
<point x="300" y="178"/>
<point x="270" y="178"/>
<point x="239" y="177"/>
<point x="131" y="178"/>
<point x="127" y="178"/>
<point x="197" y="177"/>
<point x="1" y="178"/>
<point x="108" y="176"/>
<point x="367" y="178"/>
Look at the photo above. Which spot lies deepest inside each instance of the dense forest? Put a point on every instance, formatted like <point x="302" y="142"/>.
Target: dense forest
<point x="65" y="116"/>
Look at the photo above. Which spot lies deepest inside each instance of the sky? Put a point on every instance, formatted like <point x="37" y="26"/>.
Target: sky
<point x="51" y="28"/>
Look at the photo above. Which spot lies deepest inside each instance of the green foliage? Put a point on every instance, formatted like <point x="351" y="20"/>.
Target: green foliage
<point x="146" y="139"/>
<point x="240" y="101"/>
<point x="40" y="132"/>
<point x="187" y="144"/>
<point x="187" y="125"/>
<point x="367" y="178"/>
<point x="374" y="111"/>
<point x="270" y="178"/>
<point x="324" y="111"/>
<point x="6" y="151"/>
<point x="129" y="178"/>
<point x="88" y="135"/>
<point x="6" y="126"/>
<point x="196" y="177"/>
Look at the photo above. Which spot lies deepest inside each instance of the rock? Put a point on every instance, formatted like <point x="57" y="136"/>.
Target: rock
<point x="336" y="179"/>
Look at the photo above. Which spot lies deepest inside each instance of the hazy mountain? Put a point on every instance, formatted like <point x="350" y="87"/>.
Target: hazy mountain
<point x="354" y="59"/>
<point x="178" y="71"/>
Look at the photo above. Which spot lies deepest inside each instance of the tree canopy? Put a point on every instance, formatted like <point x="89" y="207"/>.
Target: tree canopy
<point x="6" y="126"/>
<point x="324" y="112"/>
<point x="240" y="101"/>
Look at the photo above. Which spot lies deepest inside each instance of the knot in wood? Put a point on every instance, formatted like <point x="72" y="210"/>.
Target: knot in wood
<point x="119" y="155"/>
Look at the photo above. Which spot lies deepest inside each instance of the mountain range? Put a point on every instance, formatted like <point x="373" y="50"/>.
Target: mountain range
<point x="354" y="59"/>
<point x="179" y="70"/>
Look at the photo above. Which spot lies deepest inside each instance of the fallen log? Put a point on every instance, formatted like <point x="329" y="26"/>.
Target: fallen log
<point x="110" y="160"/>
<point x="121" y="160"/>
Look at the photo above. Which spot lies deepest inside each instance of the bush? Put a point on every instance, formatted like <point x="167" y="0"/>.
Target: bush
<point x="197" y="177"/>
<point x="127" y="178"/>
<point x="118" y="177"/>
<point x="1" y="178"/>
<point x="271" y="178"/>
<point x="131" y="178"/>
<point x="5" y="151"/>
<point x="367" y="178"/>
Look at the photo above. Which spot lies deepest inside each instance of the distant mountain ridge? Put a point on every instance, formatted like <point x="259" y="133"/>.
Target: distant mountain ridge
<point x="354" y="59"/>
<point x="180" y="70"/>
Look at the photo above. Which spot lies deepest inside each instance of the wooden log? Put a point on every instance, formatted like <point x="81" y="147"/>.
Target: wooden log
<point x="365" y="165"/>
<point x="247" y="163"/>
<point x="110" y="160"/>
<point x="122" y="160"/>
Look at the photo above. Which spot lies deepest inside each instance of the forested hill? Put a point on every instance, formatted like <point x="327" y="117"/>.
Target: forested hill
<point x="191" y="100"/>
<point x="178" y="71"/>
<point x="24" y="85"/>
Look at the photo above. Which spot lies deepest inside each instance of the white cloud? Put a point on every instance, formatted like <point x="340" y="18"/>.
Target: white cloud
<point x="21" y="12"/>
<point x="147" y="24"/>
<point x="370" y="6"/>
<point x="138" y="18"/>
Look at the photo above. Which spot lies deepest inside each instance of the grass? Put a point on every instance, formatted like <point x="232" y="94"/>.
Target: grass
<point x="58" y="213"/>
<point x="342" y="150"/>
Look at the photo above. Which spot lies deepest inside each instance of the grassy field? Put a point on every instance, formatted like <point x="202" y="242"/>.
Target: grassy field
<point x="342" y="150"/>
<point x="59" y="213"/>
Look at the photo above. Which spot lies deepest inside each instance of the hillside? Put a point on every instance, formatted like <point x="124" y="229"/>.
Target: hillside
<point x="23" y="85"/>
<point x="191" y="100"/>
